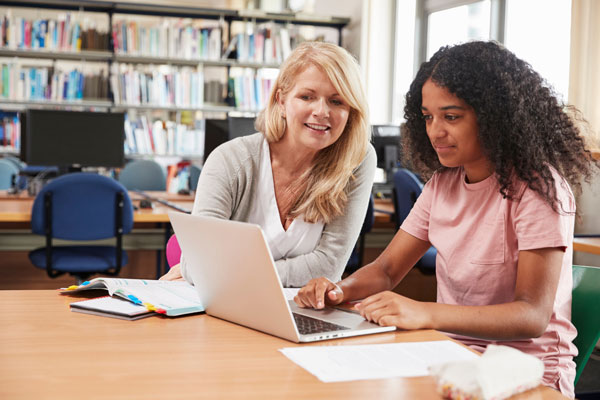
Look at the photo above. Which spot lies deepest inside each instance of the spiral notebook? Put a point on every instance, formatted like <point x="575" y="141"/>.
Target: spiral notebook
<point x="113" y="307"/>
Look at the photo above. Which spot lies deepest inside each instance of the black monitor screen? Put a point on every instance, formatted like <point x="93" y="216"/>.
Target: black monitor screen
<point x="240" y="126"/>
<point x="218" y="131"/>
<point x="73" y="138"/>
<point x="386" y="140"/>
<point x="215" y="134"/>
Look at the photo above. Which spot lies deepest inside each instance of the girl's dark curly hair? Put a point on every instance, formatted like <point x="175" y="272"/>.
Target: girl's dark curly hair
<point x="522" y="127"/>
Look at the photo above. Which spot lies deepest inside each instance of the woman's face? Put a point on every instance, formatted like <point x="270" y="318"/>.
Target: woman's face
<point x="314" y="111"/>
<point x="452" y="128"/>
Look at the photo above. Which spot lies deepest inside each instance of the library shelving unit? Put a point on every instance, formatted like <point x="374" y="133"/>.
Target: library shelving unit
<point x="168" y="67"/>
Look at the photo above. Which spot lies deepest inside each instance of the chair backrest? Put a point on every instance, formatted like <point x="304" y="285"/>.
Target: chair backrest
<point x="407" y="187"/>
<point x="143" y="175"/>
<point x="8" y="173"/>
<point x="194" y="176"/>
<point x="585" y="312"/>
<point x="173" y="251"/>
<point x="16" y="161"/>
<point x="83" y="207"/>
<point x="369" y="217"/>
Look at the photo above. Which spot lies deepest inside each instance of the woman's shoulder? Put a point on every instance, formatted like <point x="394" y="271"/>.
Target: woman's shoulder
<point x="370" y="158"/>
<point x="249" y="143"/>
<point x="240" y="149"/>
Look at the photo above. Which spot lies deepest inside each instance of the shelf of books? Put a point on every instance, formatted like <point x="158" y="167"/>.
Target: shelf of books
<point x="157" y="63"/>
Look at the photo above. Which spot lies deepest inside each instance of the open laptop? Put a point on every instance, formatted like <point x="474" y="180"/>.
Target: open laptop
<point x="235" y="276"/>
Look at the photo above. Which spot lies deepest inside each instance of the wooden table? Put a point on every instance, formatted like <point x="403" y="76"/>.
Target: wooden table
<point x="48" y="352"/>
<point x="17" y="209"/>
<point x="587" y="245"/>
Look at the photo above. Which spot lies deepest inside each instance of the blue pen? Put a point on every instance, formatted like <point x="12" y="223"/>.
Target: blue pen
<point x="134" y="299"/>
<point x="85" y="283"/>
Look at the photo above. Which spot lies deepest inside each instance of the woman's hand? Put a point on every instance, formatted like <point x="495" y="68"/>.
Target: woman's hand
<point x="318" y="292"/>
<point x="174" y="274"/>
<point x="391" y="309"/>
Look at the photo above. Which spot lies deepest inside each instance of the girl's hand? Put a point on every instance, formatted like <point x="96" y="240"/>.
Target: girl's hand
<point x="391" y="309"/>
<point x="318" y="292"/>
<point x="174" y="274"/>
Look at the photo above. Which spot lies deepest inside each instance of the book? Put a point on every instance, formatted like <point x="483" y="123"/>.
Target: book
<point x="113" y="307"/>
<point x="171" y="298"/>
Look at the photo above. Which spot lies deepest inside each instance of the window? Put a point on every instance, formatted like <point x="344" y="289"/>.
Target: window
<point x="547" y="45"/>
<point x="544" y="44"/>
<point x="458" y="25"/>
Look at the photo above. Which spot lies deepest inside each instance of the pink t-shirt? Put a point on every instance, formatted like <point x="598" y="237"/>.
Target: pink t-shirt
<point x="478" y="235"/>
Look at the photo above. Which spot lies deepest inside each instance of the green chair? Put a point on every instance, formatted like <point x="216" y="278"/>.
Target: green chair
<point x="585" y="313"/>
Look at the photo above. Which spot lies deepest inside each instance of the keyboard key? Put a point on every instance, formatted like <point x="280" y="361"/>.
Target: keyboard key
<point x="307" y="325"/>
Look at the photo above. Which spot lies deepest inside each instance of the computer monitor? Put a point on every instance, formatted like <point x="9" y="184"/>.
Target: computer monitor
<point x="215" y="134"/>
<point x="386" y="140"/>
<point x="240" y="126"/>
<point x="73" y="139"/>
<point x="218" y="131"/>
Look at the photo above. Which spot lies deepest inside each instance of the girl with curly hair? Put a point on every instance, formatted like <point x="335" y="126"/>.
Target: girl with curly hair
<point x="502" y="153"/>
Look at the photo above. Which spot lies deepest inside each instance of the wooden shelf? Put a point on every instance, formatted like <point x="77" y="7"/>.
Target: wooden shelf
<point x="141" y="59"/>
<point x="20" y="105"/>
<point x="83" y="55"/>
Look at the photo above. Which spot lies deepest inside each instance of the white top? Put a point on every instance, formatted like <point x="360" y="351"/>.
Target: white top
<point x="300" y="238"/>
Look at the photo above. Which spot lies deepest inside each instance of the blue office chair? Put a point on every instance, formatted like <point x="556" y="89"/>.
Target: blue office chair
<point x="357" y="256"/>
<point x="9" y="174"/>
<point x="16" y="161"/>
<point x="21" y="178"/>
<point x="143" y="175"/>
<point x="194" y="176"/>
<point x="81" y="206"/>
<point x="407" y="187"/>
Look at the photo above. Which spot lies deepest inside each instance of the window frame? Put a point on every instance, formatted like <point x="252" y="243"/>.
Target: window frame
<point x="427" y="7"/>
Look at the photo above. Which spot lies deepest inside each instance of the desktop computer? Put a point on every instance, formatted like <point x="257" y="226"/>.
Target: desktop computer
<point x="219" y="131"/>
<point x="386" y="141"/>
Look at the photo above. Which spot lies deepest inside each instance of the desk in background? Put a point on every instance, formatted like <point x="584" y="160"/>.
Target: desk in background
<point x="17" y="208"/>
<point x="50" y="352"/>
<point x="151" y="226"/>
<point x="587" y="245"/>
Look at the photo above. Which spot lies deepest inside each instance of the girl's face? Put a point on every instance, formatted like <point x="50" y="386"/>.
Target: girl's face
<point x="314" y="111"/>
<point x="452" y="128"/>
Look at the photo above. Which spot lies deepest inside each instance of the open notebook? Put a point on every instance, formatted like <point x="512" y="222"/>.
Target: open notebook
<point x="171" y="298"/>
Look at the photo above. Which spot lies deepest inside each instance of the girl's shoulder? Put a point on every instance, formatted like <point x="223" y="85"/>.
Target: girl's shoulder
<point x="524" y="196"/>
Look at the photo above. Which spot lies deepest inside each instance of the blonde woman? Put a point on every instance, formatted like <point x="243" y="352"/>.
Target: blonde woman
<point x="306" y="177"/>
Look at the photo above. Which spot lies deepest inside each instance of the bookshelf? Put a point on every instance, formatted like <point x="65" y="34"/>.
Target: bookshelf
<point x="156" y="62"/>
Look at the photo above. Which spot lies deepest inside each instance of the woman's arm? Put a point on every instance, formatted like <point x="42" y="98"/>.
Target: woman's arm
<point x="526" y="316"/>
<point x="339" y="236"/>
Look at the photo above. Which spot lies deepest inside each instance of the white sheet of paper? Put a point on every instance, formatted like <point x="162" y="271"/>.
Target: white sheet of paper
<point x="375" y="361"/>
<point x="290" y="293"/>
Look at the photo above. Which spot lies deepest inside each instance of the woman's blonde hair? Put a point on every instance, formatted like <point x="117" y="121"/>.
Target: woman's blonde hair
<point x="324" y="196"/>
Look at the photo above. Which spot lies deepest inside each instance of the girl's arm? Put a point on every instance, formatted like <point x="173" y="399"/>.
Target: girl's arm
<point x="384" y="273"/>
<point x="526" y="316"/>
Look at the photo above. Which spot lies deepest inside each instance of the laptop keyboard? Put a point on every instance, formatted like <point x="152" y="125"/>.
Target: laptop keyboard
<point x="307" y="325"/>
